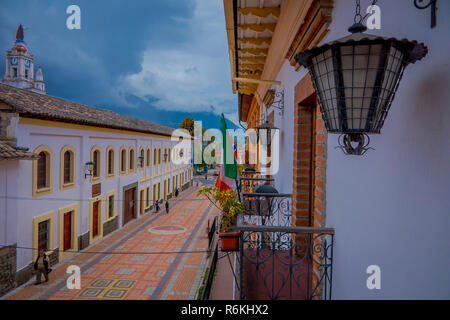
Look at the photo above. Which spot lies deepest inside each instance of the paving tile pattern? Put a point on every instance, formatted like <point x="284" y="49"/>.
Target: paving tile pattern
<point x="153" y="274"/>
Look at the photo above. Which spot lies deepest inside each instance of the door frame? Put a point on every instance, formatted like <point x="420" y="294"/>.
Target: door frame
<point x="124" y="190"/>
<point x="100" y="218"/>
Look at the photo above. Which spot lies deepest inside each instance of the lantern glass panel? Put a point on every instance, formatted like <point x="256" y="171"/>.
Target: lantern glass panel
<point x="393" y="68"/>
<point x="360" y="66"/>
<point x="323" y="68"/>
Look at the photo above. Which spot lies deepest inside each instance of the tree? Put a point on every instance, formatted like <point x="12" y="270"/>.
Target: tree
<point x="188" y="124"/>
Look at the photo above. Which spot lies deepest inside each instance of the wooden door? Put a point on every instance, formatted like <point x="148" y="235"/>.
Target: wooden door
<point x="95" y="219"/>
<point x="141" y="202"/>
<point x="129" y="205"/>
<point x="67" y="237"/>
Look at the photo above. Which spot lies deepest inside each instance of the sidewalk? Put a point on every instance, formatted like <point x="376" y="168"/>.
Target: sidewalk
<point x="146" y="259"/>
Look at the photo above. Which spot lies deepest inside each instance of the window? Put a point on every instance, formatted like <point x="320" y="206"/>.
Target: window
<point x="123" y="160"/>
<point x="42" y="181"/>
<point x="111" y="206"/>
<point x="110" y="162"/>
<point x="131" y="160"/>
<point x="26" y="73"/>
<point x="96" y="158"/>
<point x="142" y="158"/>
<point x="159" y="156"/>
<point x="14" y="72"/>
<point x="155" y="156"/>
<point x="43" y="172"/>
<point x="43" y="235"/>
<point x="67" y="168"/>
<point x="148" y="158"/>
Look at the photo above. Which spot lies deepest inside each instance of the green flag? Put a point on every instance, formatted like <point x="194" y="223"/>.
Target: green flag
<point x="229" y="159"/>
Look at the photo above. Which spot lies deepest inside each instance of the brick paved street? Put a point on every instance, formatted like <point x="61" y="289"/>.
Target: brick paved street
<point x="134" y="265"/>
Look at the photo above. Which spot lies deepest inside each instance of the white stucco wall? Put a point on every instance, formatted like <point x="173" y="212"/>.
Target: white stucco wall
<point x="391" y="207"/>
<point x="21" y="207"/>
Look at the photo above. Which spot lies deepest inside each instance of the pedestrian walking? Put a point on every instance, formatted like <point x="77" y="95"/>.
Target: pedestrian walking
<point x="42" y="267"/>
<point x="156" y="206"/>
<point x="167" y="206"/>
<point x="176" y="192"/>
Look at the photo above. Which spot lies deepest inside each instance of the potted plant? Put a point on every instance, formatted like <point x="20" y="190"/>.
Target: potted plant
<point x="229" y="205"/>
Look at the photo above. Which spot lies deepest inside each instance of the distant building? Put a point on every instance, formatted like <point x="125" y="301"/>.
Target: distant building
<point x="91" y="171"/>
<point x="20" y="67"/>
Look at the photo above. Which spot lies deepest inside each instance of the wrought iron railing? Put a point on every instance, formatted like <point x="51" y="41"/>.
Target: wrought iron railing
<point x="278" y="260"/>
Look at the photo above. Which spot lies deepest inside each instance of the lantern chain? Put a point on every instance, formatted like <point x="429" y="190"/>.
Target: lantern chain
<point x="358" y="17"/>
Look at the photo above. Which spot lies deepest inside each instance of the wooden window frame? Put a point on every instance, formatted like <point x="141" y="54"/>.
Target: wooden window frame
<point x="123" y="163"/>
<point x="39" y="192"/>
<point x="71" y="184"/>
<point x="107" y="196"/>
<point x="97" y="163"/>
<point x="112" y="164"/>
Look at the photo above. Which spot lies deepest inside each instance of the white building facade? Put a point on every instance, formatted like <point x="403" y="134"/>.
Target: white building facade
<point x="389" y="207"/>
<point x="86" y="173"/>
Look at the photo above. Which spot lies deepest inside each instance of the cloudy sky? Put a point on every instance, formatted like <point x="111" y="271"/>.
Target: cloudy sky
<point x="157" y="60"/>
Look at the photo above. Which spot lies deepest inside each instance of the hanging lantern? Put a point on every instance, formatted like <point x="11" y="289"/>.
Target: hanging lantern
<point x="265" y="132"/>
<point x="355" y="79"/>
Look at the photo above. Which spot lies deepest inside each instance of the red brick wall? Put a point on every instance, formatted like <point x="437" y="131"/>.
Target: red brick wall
<point x="309" y="167"/>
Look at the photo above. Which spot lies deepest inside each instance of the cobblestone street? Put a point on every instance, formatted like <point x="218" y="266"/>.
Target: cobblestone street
<point x="146" y="259"/>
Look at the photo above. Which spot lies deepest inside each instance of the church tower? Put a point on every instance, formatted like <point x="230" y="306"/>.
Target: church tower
<point x="20" y="67"/>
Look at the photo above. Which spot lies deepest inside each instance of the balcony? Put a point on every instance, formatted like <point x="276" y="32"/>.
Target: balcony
<point x="279" y="262"/>
<point x="276" y="260"/>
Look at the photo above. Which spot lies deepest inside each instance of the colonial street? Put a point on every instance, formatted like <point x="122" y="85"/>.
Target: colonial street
<point x="146" y="259"/>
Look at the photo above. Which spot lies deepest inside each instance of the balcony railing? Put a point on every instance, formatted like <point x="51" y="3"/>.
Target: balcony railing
<point x="278" y="260"/>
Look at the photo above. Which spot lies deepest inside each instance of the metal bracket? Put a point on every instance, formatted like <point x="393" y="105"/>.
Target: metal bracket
<point x="278" y="102"/>
<point x="432" y="4"/>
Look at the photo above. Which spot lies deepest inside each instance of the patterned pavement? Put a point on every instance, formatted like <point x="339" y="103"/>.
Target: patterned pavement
<point x="134" y="263"/>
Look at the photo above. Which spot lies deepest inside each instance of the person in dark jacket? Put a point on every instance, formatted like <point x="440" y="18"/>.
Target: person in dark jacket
<point x="157" y="206"/>
<point x="167" y="206"/>
<point x="42" y="267"/>
<point x="176" y="192"/>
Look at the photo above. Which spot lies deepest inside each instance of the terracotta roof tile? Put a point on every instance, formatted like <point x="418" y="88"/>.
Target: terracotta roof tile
<point x="35" y="105"/>
<point x="8" y="151"/>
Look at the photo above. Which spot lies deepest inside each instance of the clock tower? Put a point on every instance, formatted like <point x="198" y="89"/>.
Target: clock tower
<point x="20" y="67"/>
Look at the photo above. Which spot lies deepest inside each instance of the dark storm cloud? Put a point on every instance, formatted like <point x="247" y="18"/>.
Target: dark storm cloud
<point x="95" y="65"/>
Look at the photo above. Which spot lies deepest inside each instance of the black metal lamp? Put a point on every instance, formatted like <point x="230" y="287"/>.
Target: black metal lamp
<point x="265" y="132"/>
<point x="355" y="79"/>
<point x="181" y="153"/>
<point x="89" y="167"/>
<point x="165" y="155"/>
<point x="265" y="189"/>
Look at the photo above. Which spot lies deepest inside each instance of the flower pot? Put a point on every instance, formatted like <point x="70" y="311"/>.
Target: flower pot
<point x="229" y="241"/>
